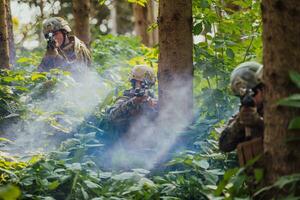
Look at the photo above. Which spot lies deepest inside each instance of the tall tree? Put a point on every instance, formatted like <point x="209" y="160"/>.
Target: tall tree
<point x="152" y="7"/>
<point x="81" y="12"/>
<point x="175" y="68"/>
<point x="281" y="30"/>
<point x="141" y="22"/>
<point x="12" y="50"/>
<point x="4" y="43"/>
<point x="113" y="13"/>
<point x="144" y="16"/>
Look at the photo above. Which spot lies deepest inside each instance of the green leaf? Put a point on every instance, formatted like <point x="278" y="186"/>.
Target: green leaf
<point x="295" y="77"/>
<point x="124" y="176"/>
<point x="84" y="194"/>
<point x="207" y="26"/>
<point x="284" y="180"/>
<point x="37" y="76"/>
<point x="23" y="60"/>
<point x="139" y="2"/>
<point x="294" y="124"/>
<point x="198" y="28"/>
<point x="230" y="53"/>
<point x="258" y="173"/>
<point x="9" y="192"/>
<point x="202" y="163"/>
<point x="9" y="79"/>
<point x="204" y="4"/>
<point x="5" y="140"/>
<point x="230" y="173"/>
<point x="291" y="101"/>
<point x="53" y="185"/>
<point x="91" y="185"/>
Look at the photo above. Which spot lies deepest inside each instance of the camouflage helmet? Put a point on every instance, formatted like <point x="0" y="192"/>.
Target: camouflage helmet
<point x="55" y="24"/>
<point x="142" y="73"/>
<point x="244" y="76"/>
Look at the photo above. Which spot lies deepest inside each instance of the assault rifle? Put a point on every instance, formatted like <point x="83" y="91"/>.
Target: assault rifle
<point x="144" y="90"/>
<point x="139" y="92"/>
<point x="51" y="44"/>
<point x="247" y="102"/>
<point x="50" y="40"/>
<point x="247" y="99"/>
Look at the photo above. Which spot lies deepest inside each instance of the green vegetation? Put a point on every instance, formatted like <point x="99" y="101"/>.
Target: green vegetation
<point x="199" y="171"/>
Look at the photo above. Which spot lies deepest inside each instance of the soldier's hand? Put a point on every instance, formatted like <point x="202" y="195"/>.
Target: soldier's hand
<point x="152" y="103"/>
<point x="141" y="99"/>
<point x="249" y="117"/>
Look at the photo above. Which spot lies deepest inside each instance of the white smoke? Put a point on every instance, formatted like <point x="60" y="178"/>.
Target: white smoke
<point x="57" y="115"/>
<point x="148" y="141"/>
<point x="145" y="144"/>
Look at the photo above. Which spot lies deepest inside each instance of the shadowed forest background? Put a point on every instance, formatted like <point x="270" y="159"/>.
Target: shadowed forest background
<point x="53" y="134"/>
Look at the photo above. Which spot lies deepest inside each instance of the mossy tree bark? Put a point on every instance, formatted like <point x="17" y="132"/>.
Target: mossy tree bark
<point x="4" y="43"/>
<point x="81" y="12"/>
<point x="175" y="68"/>
<point x="281" y="41"/>
<point x="11" y="40"/>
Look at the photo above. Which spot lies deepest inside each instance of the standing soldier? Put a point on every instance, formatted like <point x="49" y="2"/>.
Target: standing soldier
<point x="137" y="102"/>
<point x="248" y="123"/>
<point x="63" y="49"/>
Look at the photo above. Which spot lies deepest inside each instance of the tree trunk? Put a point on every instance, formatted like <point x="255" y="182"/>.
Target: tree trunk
<point x="81" y="12"/>
<point x="41" y="36"/>
<point x="175" y="68"/>
<point x="152" y="18"/>
<point x="4" y="43"/>
<point x="281" y="31"/>
<point x="125" y="24"/>
<point x="12" y="50"/>
<point x="141" y="22"/>
<point x="113" y="13"/>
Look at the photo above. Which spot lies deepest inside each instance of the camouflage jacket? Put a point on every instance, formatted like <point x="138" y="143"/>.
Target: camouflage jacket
<point x="72" y="54"/>
<point x="125" y="111"/>
<point x="234" y="132"/>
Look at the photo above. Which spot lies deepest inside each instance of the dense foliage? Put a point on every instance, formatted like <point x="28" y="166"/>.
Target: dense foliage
<point x="69" y="168"/>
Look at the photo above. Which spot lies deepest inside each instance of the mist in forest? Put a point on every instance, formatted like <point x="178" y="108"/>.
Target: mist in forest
<point x="148" y="142"/>
<point x="57" y="114"/>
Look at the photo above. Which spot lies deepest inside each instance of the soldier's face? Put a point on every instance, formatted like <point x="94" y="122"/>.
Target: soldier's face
<point x="138" y="84"/>
<point x="259" y="97"/>
<point x="59" y="38"/>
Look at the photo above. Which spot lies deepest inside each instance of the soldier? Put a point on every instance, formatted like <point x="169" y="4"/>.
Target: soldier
<point x="246" y="83"/>
<point x="63" y="49"/>
<point x="136" y="102"/>
<point x="131" y="114"/>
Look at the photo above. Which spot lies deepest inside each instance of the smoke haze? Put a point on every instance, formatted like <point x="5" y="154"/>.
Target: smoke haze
<point x="145" y="144"/>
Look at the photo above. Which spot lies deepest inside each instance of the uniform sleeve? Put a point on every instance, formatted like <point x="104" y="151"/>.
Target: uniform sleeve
<point x="232" y="135"/>
<point x="86" y="54"/>
<point x="83" y="54"/>
<point x="123" y="109"/>
<point x="51" y="60"/>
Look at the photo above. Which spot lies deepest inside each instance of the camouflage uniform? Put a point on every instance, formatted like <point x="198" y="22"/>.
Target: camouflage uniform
<point x="245" y="76"/>
<point x="234" y="132"/>
<point x="75" y="54"/>
<point x="127" y="110"/>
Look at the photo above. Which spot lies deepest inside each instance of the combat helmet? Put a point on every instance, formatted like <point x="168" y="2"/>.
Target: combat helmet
<point x="143" y="73"/>
<point x="55" y="24"/>
<point x="245" y="76"/>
